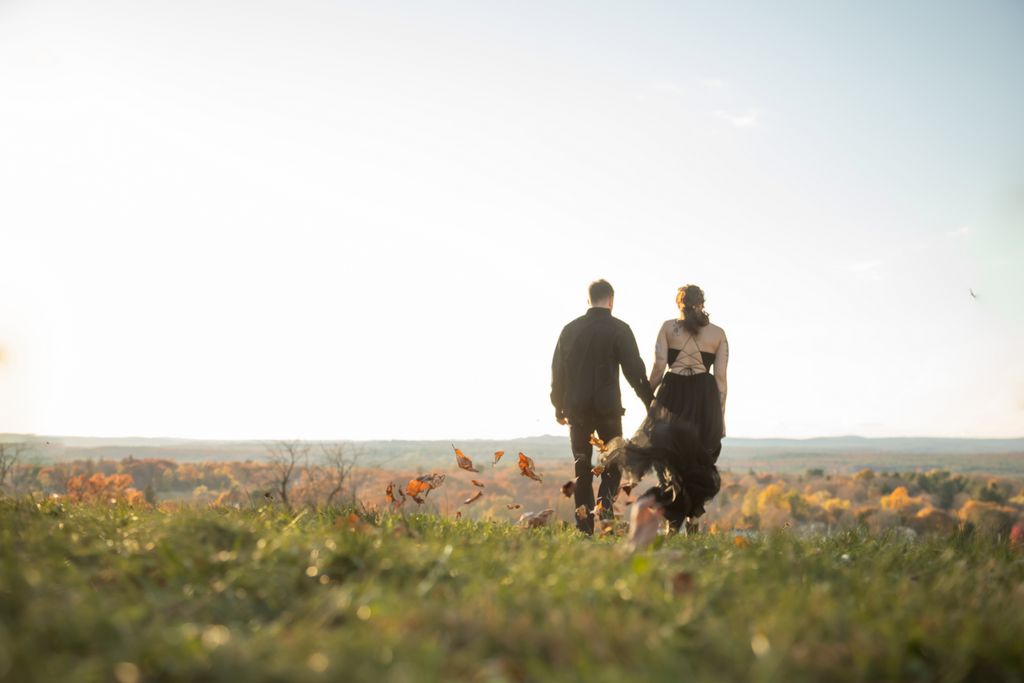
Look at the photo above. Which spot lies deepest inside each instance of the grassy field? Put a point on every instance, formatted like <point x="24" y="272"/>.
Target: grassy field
<point x="116" y="594"/>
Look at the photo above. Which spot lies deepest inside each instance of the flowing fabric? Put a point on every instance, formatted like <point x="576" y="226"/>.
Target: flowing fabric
<point x="680" y="440"/>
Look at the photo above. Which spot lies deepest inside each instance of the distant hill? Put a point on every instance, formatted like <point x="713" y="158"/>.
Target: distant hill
<point x="832" y="454"/>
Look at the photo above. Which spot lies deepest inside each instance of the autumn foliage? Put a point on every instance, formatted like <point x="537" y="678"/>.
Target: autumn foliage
<point x="101" y="488"/>
<point x="934" y="502"/>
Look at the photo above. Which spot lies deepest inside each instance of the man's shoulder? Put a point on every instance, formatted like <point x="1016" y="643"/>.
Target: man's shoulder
<point x="619" y="323"/>
<point x="575" y="322"/>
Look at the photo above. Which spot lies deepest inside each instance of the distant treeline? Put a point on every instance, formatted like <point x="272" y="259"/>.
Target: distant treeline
<point x="922" y="501"/>
<point x="834" y="455"/>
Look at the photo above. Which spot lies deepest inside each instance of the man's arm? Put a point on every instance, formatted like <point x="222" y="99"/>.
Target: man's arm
<point x="632" y="364"/>
<point x="558" y="379"/>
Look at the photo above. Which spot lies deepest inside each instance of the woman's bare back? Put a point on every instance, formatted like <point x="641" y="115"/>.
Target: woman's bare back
<point x="680" y="351"/>
<point x="686" y="349"/>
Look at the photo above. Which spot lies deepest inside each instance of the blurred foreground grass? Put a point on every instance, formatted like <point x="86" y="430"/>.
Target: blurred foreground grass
<point x="116" y="594"/>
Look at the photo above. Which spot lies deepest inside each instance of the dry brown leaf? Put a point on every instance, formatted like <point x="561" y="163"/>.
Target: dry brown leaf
<point x="497" y="457"/>
<point x="682" y="583"/>
<point x="513" y="506"/>
<point x="569" y="488"/>
<point x="598" y="470"/>
<point x="581" y="512"/>
<point x="472" y="499"/>
<point x="477" y="483"/>
<point x="628" y="488"/>
<point x="532" y="520"/>
<point x="645" y="519"/>
<point x="393" y="500"/>
<point x="463" y="461"/>
<point x="526" y="467"/>
<point x="595" y="440"/>
<point x="423" y="485"/>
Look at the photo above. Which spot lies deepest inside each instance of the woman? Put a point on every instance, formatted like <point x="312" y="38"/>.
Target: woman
<point x="682" y="434"/>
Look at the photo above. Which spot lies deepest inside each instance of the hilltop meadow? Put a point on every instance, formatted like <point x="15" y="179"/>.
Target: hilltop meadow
<point x="115" y="592"/>
<point x="300" y="565"/>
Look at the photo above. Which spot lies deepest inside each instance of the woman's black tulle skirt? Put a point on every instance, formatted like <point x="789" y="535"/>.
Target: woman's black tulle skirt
<point x="680" y="440"/>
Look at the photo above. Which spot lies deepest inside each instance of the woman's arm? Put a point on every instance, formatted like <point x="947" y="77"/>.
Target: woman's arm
<point x="720" y="369"/>
<point x="660" y="357"/>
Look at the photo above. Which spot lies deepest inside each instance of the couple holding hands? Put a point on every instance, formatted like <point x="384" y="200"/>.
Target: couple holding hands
<point x="681" y="436"/>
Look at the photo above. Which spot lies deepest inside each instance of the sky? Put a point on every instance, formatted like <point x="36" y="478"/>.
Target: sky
<point x="339" y="220"/>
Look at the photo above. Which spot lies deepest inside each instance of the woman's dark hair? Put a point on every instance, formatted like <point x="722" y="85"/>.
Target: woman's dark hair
<point x="690" y="298"/>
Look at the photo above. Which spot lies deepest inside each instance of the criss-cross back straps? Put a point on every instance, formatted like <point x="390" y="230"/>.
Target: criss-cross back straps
<point x="689" y="361"/>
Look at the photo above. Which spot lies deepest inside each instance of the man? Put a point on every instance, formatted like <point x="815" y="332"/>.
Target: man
<point x="585" y="391"/>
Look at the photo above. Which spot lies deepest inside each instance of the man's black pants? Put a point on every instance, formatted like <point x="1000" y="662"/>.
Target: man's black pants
<point x="580" y="430"/>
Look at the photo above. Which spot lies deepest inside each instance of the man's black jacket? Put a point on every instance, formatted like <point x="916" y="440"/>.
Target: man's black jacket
<point x="585" y="367"/>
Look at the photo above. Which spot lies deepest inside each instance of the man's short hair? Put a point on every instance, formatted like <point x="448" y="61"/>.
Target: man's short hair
<point x="600" y="290"/>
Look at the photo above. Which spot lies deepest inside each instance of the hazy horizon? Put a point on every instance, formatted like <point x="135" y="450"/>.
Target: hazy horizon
<point x="340" y="220"/>
<point x="491" y="438"/>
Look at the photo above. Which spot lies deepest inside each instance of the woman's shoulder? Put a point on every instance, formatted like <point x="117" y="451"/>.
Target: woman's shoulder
<point x="714" y="331"/>
<point x="672" y="328"/>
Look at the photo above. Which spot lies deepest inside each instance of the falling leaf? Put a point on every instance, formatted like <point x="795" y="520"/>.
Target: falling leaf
<point x="682" y="583"/>
<point x="569" y="488"/>
<point x="396" y="501"/>
<point x="581" y="512"/>
<point x="533" y="520"/>
<point x="497" y="457"/>
<point x="463" y="461"/>
<point x="475" y="497"/>
<point x="628" y="488"/>
<point x="513" y="506"/>
<point x="598" y="470"/>
<point x="1017" y="535"/>
<point x="477" y="483"/>
<point x="595" y="440"/>
<point x="389" y="494"/>
<point x="423" y="485"/>
<point x="645" y="519"/>
<point x="526" y="467"/>
<point x="458" y="515"/>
